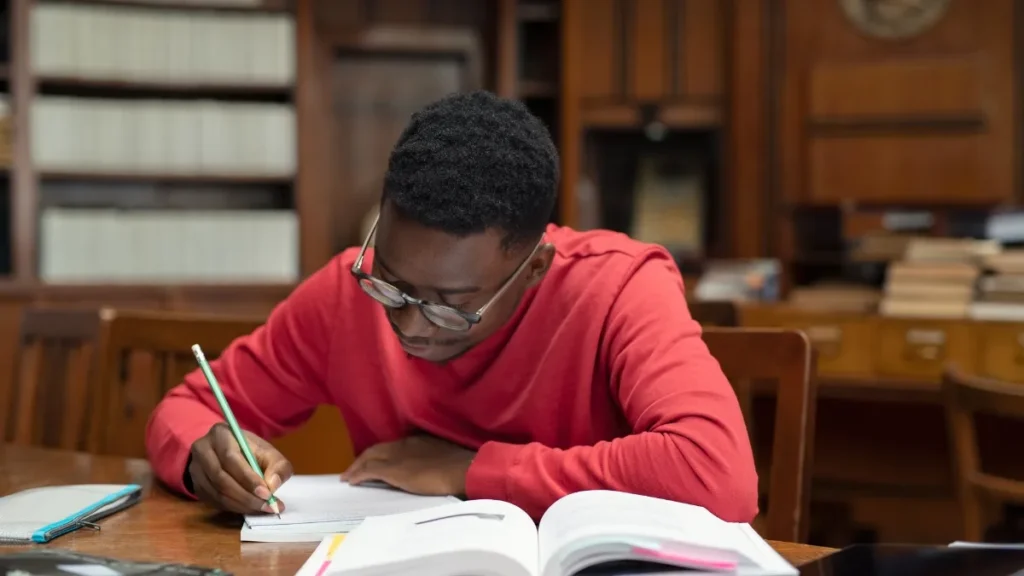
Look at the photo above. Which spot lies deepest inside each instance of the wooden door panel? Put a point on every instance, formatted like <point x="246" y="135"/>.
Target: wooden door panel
<point x="374" y="97"/>
<point x="925" y="119"/>
<point x="648" y="51"/>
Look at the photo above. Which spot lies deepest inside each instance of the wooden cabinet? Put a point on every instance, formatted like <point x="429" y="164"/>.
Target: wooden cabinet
<point x="1001" y="351"/>
<point x="842" y="340"/>
<point x="881" y="448"/>
<point x="650" y="50"/>
<point x="921" y="349"/>
<point x="900" y="354"/>
<point x="925" y="119"/>
<point x="666" y="54"/>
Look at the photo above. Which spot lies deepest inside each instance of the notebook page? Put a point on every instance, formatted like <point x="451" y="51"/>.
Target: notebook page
<point x="454" y="531"/>
<point x="600" y="513"/>
<point x="325" y="498"/>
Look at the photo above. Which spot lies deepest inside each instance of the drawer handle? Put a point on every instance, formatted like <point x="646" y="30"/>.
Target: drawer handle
<point x="827" y="340"/>
<point x="924" y="345"/>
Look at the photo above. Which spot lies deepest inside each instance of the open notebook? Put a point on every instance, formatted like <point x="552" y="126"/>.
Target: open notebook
<point x="316" y="506"/>
<point x="594" y="532"/>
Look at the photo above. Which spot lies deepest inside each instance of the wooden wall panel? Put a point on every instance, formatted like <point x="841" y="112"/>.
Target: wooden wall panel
<point x="701" y="48"/>
<point x="648" y="51"/>
<point x="601" y="52"/>
<point x="905" y="88"/>
<point x="652" y="66"/>
<point x="748" y="152"/>
<point x="928" y="168"/>
<point x="923" y="120"/>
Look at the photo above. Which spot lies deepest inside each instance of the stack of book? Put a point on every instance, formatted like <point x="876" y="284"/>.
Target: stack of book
<point x="110" y="246"/>
<point x="936" y="278"/>
<point x="836" y="297"/>
<point x="881" y="246"/>
<point x="248" y="139"/>
<point x="1001" y="290"/>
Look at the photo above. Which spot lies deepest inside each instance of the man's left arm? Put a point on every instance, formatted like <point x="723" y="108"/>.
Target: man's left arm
<point x="689" y="442"/>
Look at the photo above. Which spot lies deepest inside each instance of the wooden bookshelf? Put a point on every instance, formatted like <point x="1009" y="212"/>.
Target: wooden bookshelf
<point x="116" y="107"/>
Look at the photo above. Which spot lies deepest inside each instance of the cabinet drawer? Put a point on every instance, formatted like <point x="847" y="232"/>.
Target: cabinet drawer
<point x="842" y="340"/>
<point x="921" y="349"/>
<point x="1001" y="350"/>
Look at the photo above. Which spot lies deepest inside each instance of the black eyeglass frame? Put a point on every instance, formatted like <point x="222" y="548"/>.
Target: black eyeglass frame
<point x="471" y="318"/>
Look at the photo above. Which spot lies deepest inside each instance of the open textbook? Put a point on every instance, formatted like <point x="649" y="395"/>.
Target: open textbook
<point x="318" y="505"/>
<point x="593" y="532"/>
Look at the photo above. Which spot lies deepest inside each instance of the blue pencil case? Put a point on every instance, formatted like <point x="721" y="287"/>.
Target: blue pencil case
<point x="42" y="514"/>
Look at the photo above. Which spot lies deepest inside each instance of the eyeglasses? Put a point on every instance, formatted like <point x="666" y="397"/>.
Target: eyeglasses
<point x="440" y="315"/>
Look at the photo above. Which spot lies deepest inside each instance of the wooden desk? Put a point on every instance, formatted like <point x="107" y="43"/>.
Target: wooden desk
<point x="894" y="475"/>
<point x="166" y="528"/>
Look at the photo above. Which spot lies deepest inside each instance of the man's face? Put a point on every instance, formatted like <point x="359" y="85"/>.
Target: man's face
<point x="464" y="273"/>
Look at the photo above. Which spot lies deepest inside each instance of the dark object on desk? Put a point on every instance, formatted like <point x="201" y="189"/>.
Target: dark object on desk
<point x="634" y="568"/>
<point x="906" y="560"/>
<point x="65" y="562"/>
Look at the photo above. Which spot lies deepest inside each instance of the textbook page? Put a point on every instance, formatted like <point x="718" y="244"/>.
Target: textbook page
<point x="465" y="538"/>
<point x="326" y="504"/>
<point x="593" y="516"/>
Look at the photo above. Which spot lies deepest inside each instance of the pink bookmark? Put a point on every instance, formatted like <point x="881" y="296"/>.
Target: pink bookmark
<point x="674" y="557"/>
<point x="335" y="542"/>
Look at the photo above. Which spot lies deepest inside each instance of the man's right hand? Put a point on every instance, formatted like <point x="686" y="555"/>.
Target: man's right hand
<point x="221" y="475"/>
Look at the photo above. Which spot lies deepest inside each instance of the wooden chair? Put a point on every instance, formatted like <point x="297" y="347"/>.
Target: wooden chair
<point x="51" y="390"/>
<point x="714" y="313"/>
<point x="965" y="398"/>
<point x="146" y="354"/>
<point x="786" y="358"/>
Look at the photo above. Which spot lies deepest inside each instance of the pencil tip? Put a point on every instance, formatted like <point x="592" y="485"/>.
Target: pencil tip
<point x="275" y="508"/>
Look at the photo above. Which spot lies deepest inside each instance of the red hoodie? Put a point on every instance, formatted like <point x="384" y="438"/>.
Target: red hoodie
<point x="599" y="380"/>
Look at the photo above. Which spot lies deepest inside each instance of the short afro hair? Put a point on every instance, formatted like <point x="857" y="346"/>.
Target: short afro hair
<point x="471" y="162"/>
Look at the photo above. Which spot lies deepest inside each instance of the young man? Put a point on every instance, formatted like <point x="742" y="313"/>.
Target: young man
<point x="476" y="350"/>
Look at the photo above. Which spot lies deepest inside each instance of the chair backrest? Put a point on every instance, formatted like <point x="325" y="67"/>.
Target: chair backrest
<point x="49" y="395"/>
<point x="146" y="354"/>
<point x="967" y="396"/>
<point x="784" y="357"/>
<point x="714" y="313"/>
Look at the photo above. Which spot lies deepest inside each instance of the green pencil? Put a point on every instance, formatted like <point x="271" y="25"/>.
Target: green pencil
<point x="230" y="417"/>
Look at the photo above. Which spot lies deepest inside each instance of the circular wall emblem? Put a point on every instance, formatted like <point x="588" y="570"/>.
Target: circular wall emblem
<point x="894" y="18"/>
